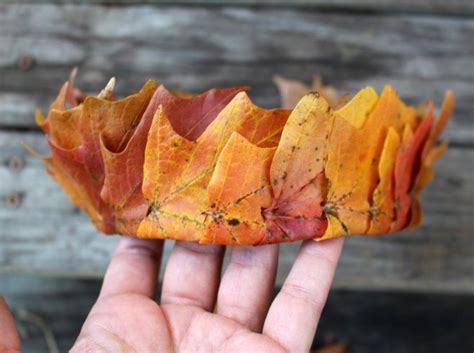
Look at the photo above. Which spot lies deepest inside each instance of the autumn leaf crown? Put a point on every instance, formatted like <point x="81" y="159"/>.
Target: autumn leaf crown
<point x="215" y="168"/>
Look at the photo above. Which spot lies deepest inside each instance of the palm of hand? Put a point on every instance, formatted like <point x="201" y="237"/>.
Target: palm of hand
<point x="134" y="323"/>
<point x="201" y="313"/>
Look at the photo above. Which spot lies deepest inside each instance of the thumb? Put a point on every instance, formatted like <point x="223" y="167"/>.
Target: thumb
<point x="9" y="340"/>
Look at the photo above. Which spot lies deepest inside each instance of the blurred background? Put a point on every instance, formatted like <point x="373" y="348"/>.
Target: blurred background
<point x="410" y="292"/>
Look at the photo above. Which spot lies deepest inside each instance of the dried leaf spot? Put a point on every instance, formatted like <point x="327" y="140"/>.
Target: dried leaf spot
<point x="233" y="222"/>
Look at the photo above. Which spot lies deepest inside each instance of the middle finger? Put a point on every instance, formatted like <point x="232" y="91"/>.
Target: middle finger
<point x="192" y="275"/>
<point x="247" y="285"/>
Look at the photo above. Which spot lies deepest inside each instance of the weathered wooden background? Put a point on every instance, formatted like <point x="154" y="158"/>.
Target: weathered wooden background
<point x="422" y="47"/>
<point x="421" y="52"/>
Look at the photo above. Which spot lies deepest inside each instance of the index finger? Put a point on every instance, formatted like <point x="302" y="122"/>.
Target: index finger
<point x="296" y="310"/>
<point x="134" y="268"/>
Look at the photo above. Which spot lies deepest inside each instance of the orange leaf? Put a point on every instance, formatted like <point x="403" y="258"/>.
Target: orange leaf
<point x="238" y="190"/>
<point x="383" y="211"/>
<point x="353" y="167"/>
<point x="64" y="97"/>
<point x="178" y="170"/>
<point x="124" y="174"/>
<point x="353" y="157"/>
<point x="78" y="139"/>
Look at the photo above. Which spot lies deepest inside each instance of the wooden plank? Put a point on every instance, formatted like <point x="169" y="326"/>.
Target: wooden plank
<point x="365" y="321"/>
<point x="43" y="233"/>
<point x="461" y="7"/>
<point x="195" y="48"/>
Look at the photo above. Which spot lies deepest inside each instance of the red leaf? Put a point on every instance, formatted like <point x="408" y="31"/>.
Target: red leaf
<point x="406" y="168"/>
<point x="190" y="116"/>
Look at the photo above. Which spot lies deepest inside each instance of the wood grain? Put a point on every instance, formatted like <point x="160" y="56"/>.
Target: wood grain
<point x="42" y="233"/>
<point x="461" y="7"/>
<point x="198" y="47"/>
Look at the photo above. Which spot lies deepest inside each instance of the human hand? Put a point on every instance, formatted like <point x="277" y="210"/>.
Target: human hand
<point x="199" y="312"/>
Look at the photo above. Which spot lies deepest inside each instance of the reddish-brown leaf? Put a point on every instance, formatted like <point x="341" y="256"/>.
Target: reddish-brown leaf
<point x="191" y="115"/>
<point x="407" y="166"/>
<point x="77" y="138"/>
<point x="124" y="174"/>
<point x="430" y="155"/>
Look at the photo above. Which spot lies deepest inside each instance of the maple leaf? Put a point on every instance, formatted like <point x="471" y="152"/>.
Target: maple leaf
<point x="355" y="144"/>
<point x="383" y="207"/>
<point x="383" y="198"/>
<point x="296" y="173"/>
<point x="65" y="96"/>
<point x="178" y="170"/>
<point x="124" y="164"/>
<point x="406" y="164"/>
<point x="191" y="115"/>
<point x="292" y="91"/>
<point x="78" y="137"/>
<point x="123" y="168"/>
<point x="237" y="192"/>
<point x="430" y="154"/>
